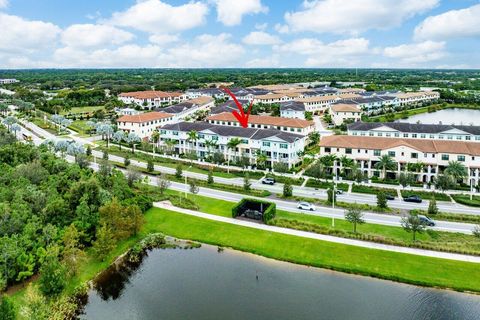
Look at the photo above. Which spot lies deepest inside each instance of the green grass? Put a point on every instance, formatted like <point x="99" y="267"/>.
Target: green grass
<point x="313" y="183"/>
<point x="372" y="190"/>
<point x="426" y="195"/>
<point x="80" y="126"/>
<point x="79" y="110"/>
<point x="382" y="264"/>
<point x="465" y="200"/>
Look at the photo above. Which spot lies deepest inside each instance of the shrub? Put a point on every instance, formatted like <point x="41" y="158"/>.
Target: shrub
<point x="150" y="166"/>
<point x="53" y="277"/>
<point x="382" y="200"/>
<point x="432" y="207"/>
<point x="287" y="189"/>
<point x="179" y="171"/>
<point x="269" y="208"/>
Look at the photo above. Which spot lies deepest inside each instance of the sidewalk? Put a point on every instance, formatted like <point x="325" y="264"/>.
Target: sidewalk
<point x="316" y="236"/>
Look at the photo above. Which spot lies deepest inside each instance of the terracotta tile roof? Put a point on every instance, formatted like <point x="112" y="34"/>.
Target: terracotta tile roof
<point x="349" y="96"/>
<point x="201" y="100"/>
<point x="144" y="117"/>
<point x="342" y="107"/>
<point x="277" y="95"/>
<point x="422" y="145"/>
<point x="267" y="120"/>
<point x="150" y="94"/>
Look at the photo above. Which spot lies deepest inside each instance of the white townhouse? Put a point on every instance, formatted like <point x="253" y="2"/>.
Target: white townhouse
<point x="292" y="109"/>
<point x="144" y="124"/>
<point x="415" y="131"/>
<point x="206" y="92"/>
<point x="434" y="155"/>
<point x="410" y="98"/>
<point x="341" y="112"/>
<point x="276" y="97"/>
<point x="318" y="104"/>
<point x="8" y="81"/>
<point x="298" y="126"/>
<point x="152" y="99"/>
<point x="188" y="108"/>
<point x="278" y="146"/>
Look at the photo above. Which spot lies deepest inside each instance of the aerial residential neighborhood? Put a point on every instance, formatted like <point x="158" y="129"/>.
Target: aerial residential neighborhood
<point x="250" y="159"/>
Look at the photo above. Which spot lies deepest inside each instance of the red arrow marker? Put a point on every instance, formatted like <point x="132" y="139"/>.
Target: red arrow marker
<point x="241" y="117"/>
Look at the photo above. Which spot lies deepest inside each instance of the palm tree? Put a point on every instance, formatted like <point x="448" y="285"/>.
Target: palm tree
<point x="170" y="143"/>
<point x="210" y="144"/>
<point x="314" y="138"/>
<point x="118" y="137"/>
<point x="192" y="138"/>
<point x="155" y="136"/>
<point x="9" y="121"/>
<point x="385" y="163"/>
<point x="347" y="163"/>
<point x="3" y="108"/>
<point x="456" y="170"/>
<point x="260" y="158"/>
<point x="232" y="144"/>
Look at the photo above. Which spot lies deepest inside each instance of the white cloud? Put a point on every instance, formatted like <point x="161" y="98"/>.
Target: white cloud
<point x="3" y="4"/>
<point x="451" y="24"/>
<point x="353" y="17"/>
<point x="18" y="34"/>
<point x="231" y="12"/>
<point x="417" y="53"/>
<point x="268" y="62"/>
<point x="163" y="39"/>
<point x="94" y="35"/>
<point x="260" y="38"/>
<point x="155" y="16"/>
<point x="261" y="26"/>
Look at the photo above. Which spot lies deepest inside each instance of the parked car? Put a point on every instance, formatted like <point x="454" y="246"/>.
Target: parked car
<point x="426" y="221"/>
<point x="390" y="197"/>
<point x="339" y="191"/>
<point x="252" y="214"/>
<point x="306" y="206"/>
<point x="270" y="181"/>
<point x="413" y="198"/>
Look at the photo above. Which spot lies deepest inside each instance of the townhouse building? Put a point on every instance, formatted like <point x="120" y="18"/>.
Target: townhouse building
<point x="415" y="131"/>
<point x="152" y="99"/>
<point x="298" y="126"/>
<point x="188" y="108"/>
<point x="8" y="81"/>
<point x="276" y="145"/>
<point x="409" y="98"/>
<point x="318" y="104"/>
<point x="342" y="112"/>
<point x="433" y="155"/>
<point x="292" y="109"/>
<point x="276" y="97"/>
<point x="144" y="124"/>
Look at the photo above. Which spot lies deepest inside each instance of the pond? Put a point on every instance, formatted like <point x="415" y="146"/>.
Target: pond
<point x="206" y="284"/>
<point x="447" y="116"/>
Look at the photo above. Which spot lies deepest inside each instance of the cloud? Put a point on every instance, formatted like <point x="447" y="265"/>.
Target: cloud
<point x="163" y="39"/>
<point x="94" y="35"/>
<point x="268" y="62"/>
<point x="261" y="26"/>
<point x="417" y="53"/>
<point x="155" y="16"/>
<point x="338" y="53"/>
<point x="231" y="12"/>
<point x="451" y="24"/>
<point x="3" y="4"/>
<point x="353" y="17"/>
<point x="20" y="35"/>
<point x="260" y="38"/>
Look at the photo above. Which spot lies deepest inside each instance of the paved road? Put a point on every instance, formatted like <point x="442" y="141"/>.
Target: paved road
<point x="278" y="188"/>
<point x="316" y="236"/>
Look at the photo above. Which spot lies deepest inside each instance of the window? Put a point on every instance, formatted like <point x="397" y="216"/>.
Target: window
<point x="449" y="137"/>
<point x="388" y="134"/>
<point x="459" y="137"/>
<point x="461" y="158"/>
<point x="266" y="144"/>
<point x="348" y="151"/>
<point x="391" y="153"/>
<point x="467" y="138"/>
<point x="370" y="134"/>
<point x="432" y="136"/>
<point x="283" y="146"/>
<point x="245" y="141"/>
<point x="414" y="155"/>
<point x="380" y="134"/>
<point x="215" y="138"/>
<point x="423" y="136"/>
<point x="327" y="149"/>
<point x="405" y="135"/>
<point x="354" y="133"/>
<point x="175" y="133"/>
<point x="445" y="157"/>
<point x="397" y="134"/>
<point x="414" y="135"/>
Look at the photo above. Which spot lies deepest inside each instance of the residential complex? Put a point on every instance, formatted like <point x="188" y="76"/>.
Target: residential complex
<point x="144" y="124"/>
<point x="188" y="108"/>
<point x="8" y="81"/>
<point x="152" y="99"/>
<point x="342" y="113"/>
<point x="278" y="146"/>
<point x="298" y="126"/>
<point x="434" y="155"/>
<point x="415" y="131"/>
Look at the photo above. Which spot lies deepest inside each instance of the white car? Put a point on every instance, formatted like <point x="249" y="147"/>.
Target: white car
<point x="306" y="206"/>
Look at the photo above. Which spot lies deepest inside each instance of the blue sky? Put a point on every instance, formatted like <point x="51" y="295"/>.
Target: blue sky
<point x="239" y="33"/>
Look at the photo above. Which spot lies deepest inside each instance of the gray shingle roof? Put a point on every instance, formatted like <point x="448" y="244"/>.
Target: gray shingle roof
<point x="292" y="105"/>
<point x="413" y="127"/>
<point x="227" y="131"/>
<point x="227" y="106"/>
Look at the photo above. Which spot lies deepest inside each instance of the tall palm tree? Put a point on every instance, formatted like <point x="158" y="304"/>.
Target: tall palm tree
<point x="347" y="163"/>
<point x="232" y="144"/>
<point x="192" y="138"/>
<point x="385" y="163"/>
<point x="456" y="170"/>
<point x="170" y="143"/>
<point x="3" y="108"/>
<point x="260" y="158"/>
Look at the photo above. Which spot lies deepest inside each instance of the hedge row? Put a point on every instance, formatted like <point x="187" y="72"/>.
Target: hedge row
<point x="268" y="214"/>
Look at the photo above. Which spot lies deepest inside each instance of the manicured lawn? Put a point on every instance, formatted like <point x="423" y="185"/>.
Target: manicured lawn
<point x="80" y="126"/>
<point x="79" y="110"/>
<point x="382" y="264"/>
<point x="465" y="199"/>
<point x="372" y="190"/>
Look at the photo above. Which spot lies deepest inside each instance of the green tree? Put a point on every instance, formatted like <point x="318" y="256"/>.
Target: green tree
<point x="88" y="151"/>
<point x="35" y="306"/>
<point x="104" y="243"/>
<point x="105" y="155"/>
<point x="135" y="217"/>
<point x="385" y="163"/>
<point x="314" y="138"/>
<point x="355" y="216"/>
<point x="287" y="189"/>
<point x="7" y="309"/>
<point x="193" y="186"/>
<point x="150" y="165"/>
<point x="247" y="185"/>
<point x="444" y="182"/>
<point x="476" y="231"/>
<point x="232" y="144"/>
<point x="432" y="207"/>
<point x="456" y="170"/>
<point x="382" y="200"/>
<point x="163" y="183"/>
<point x="179" y="171"/>
<point x="126" y="161"/>
<point x="331" y="195"/>
<point x="210" y="177"/>
<point x="406" y="179"/>
<point x="412" y="223"/>
<point x="73" y="255"/>
<point x="53" y="277"/>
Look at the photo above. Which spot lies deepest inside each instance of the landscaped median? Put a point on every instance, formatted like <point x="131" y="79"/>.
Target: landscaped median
<point x="401" y="267"/>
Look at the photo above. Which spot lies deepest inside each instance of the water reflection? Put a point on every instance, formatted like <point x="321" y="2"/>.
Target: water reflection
<point x="204" y="284"/>
<point x="447" y="116"/>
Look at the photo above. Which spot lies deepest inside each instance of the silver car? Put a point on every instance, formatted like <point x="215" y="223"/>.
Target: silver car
<point x="306" y="206"/>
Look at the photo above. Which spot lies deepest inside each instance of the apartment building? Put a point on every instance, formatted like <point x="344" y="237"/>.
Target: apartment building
<point x="152" y="99"/>
<point x="188" y="108"/>
<point x="318" y="104"/>
<point x="276" y="97"/>
<point x="298" y="126"/>
<point x="342" y="112"/>
<point x="415" y="131"/>
<point x="278" y="146"/>
<point x="433" y="154"/>
<point x="228" y="106"/>
<point x="410" y="98"/>
<point x="292" y="109"/>
<point x="144" y="124"/>
<point x="8" y="81"/>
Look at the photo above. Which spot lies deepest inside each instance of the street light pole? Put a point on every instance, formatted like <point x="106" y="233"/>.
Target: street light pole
<point x="333" y="197"/>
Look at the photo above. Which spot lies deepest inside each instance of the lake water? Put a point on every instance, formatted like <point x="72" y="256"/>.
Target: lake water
<point x="447" y="116"/>
<point x="205" y="284"/>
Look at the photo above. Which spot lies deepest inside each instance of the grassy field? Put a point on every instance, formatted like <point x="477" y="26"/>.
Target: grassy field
<point x="80" y="110"/>
<point x="80" y="126"/>
<point x="382" y="264"/>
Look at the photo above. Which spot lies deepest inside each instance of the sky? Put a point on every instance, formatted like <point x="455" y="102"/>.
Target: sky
<point x="240" y="33"/>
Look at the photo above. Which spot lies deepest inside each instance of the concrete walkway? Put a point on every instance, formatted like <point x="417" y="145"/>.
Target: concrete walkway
<point x="316" y="236"/>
